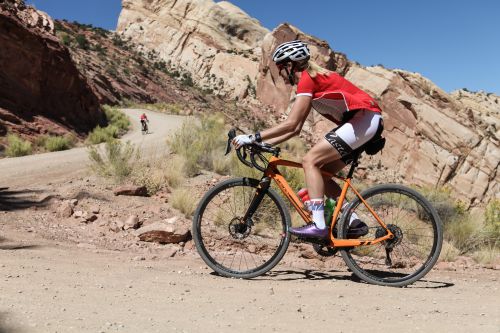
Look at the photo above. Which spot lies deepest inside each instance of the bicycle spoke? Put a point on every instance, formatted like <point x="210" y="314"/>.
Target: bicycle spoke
<point x="404" y="257"/>
<point x="238" y="247"/>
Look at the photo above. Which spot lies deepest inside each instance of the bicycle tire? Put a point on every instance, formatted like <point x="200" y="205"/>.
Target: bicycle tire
<point x="414" y="250"/>
<point x="221" y="229"/>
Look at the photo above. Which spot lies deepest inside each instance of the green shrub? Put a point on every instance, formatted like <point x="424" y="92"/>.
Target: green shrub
<point x="82" y="42"/>
<point x="116" y="118"/>
<point x="66" y="39"/>
<point x="17" y="147"/>
<point x="102" y="134"/>
<point x="200" y="143"/>
<point x="115" y="160"/>
<point x="57" y="143"/>
<point x="492" y="222"/>
<point x="118" y="124"/>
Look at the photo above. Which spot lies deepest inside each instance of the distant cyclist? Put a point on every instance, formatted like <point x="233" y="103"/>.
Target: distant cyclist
<point x="144" y="121"/>
<point x="356" y="114"/>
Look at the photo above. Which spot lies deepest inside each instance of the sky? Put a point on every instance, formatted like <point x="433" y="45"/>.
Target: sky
<point x="454" y="43"/>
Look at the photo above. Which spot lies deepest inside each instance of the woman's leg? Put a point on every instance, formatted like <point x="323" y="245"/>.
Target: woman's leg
<point x="332" y="189"/>
<point x="320" y="155"/>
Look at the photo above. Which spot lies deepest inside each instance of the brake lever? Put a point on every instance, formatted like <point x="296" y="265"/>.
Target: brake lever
<point x="231" y="135"/>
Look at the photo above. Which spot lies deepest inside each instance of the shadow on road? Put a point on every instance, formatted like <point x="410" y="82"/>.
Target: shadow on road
<point x="21" y="199"/>
<point x="6" y="328"/>
<point x="295" y="275"/>
<point x="15" y="247"/>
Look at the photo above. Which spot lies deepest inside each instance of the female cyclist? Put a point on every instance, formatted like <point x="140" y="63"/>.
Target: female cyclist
<point x="357" y="115"/>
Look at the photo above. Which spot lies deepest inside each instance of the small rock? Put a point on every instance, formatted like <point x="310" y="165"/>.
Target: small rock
<point x="95" y="210"/>
<point x="65" y="209"/>
<point x="91" y="218"/>
<point x="74" y="202"/>
<point x="132" y="222"/>
<point x="79" y="213"/>
<point x="131" y="190"/>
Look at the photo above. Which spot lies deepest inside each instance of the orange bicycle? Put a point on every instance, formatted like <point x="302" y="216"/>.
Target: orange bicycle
<point x="240" y="226"/>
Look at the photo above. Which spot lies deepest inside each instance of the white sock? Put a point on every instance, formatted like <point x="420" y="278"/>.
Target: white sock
<point x="354" y="216"/>
<point x="317" y="206"/>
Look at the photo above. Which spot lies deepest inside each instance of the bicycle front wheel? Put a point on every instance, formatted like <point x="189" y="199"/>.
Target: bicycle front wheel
<point x="417" y="229"/>
<point x="233" y="247"/>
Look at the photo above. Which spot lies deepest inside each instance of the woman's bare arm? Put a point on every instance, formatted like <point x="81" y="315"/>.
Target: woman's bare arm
<point x="292" y="125"/>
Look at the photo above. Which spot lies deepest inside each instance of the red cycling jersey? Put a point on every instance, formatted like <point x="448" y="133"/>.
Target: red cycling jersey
<point x="334" y="95"/>
<point x="143" y="117"/>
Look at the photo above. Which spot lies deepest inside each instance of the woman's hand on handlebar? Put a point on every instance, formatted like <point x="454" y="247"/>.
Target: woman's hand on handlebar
<point x="243" y="139"/>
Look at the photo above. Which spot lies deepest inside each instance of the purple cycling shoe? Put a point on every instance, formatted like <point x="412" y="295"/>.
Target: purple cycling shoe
<point x="310" y="231"/>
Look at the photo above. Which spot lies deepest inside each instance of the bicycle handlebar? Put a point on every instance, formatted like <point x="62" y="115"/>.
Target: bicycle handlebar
<point x="254" y="149"/>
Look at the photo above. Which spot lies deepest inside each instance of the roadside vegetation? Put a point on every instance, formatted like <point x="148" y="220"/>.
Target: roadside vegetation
<point x="55" y="143"/>
<point x="198" y="147"/>
<point x="118" y="124"/>
<point x="123" y="163"/>
<point x="466" y="232"/>
<point x="17" y="146"/>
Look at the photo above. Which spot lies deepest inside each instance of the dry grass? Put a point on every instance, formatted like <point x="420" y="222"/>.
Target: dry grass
<point x="487" y="255"/>
<point x="182" y="199"/>
<point x="114" y="160"/>
<point x="448" y="252"/>
<point x="158" y="171"/>
<point x="201" y="144"/>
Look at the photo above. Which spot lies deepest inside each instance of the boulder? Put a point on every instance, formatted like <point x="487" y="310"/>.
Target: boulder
<point x="165" y="232"/>
<point x="132" y="190"/>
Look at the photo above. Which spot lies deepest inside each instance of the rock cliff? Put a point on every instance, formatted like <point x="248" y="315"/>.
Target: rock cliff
<point x="41" y="90"/>
<point x="217" y="43"/>
<point x="434" y="138"/>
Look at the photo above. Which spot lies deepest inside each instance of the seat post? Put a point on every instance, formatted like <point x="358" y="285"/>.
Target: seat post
<point x="354" y="164"/>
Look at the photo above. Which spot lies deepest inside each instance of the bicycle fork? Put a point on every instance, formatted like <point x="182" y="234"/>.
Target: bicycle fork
<point x="260" y="191"/>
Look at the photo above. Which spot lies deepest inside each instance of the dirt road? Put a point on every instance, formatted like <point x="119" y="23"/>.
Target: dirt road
<point x="55" y="286"/>
<point x="38" y="169"/>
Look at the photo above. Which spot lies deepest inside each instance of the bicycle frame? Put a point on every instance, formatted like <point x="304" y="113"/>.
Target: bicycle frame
<point x="272" y="172"/>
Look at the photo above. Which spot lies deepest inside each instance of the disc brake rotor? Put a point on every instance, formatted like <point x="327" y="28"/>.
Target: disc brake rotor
<point x="238" y="229"/>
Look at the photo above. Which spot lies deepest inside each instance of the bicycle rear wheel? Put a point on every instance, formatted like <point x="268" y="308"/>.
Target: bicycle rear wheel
<point x="226" y="243"/>
<point x="418" y="237"/>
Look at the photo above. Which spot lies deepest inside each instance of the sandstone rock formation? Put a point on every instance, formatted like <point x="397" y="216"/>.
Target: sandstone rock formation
<point x="434" y="138"/>
<point x="217" y="43"/>
<point x="41" y="90"/>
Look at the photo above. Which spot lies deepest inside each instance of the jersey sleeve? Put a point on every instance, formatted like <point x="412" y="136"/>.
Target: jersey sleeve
<point x="306" y="85"/>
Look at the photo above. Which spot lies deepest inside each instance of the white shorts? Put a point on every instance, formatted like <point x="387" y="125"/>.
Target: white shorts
<point x="350" y="136"/>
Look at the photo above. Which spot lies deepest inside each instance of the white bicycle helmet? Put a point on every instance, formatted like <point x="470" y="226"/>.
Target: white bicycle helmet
<point x="294" y="51"/>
